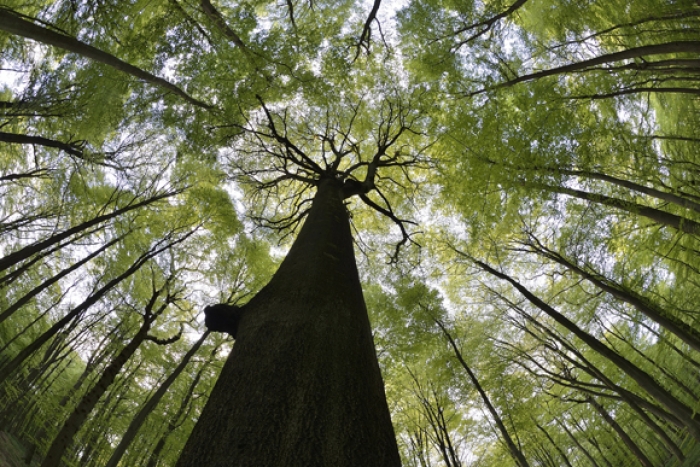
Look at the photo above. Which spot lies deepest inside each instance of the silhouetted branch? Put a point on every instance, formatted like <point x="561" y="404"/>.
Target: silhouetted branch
<point x="365" y="36"/>
<point x="485" y="25"/>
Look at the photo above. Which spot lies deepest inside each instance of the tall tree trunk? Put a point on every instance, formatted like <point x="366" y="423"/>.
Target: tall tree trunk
<point x="64" y="438"/>
<point x="89" y="448"/>
<point x="556" y="445"/>
<point x="680" y="223"/>
<point x="636" y="450"/>
<point x="77" y="312"/>
<point x="645" y="381"/>
<point x="151" y="404"/>
<point x="590" y="64"/>
<point x="12" y="22"/>
<point x="52" y="280"/>
<point x="302" y="385"/>
<point x="682" y="330"/>
<point x="177" y="419"/>
<point x="513" y="449"/>
<point x="29" y="250"/>
<point x="662" y="195"/>
<point x="577" y="443"/>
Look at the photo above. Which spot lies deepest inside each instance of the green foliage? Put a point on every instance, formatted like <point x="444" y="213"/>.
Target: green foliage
<point x="499" y="133"/>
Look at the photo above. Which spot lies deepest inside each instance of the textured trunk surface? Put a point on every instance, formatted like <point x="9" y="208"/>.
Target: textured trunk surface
<point x="302" y="385"/>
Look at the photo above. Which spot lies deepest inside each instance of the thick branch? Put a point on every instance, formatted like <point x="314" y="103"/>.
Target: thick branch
<point x="71" y="148"/>
<point x="36" y="173"/>
<point x="365" y="36"/>
<point x="166" y="341"/>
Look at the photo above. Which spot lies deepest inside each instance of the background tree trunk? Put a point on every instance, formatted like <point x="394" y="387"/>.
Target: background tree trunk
<point x="151" y="404"/>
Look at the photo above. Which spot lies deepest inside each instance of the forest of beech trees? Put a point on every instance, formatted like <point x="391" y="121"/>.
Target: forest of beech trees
<point x="513" y="186"/>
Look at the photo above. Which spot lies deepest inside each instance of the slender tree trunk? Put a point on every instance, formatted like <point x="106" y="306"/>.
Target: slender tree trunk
<point x="34" y="259"/>
<point x="570" y="353"/>
<point x="638" y="453"/>
<point x="681" y="411"/>
<point x="148" y="407"/>
<point x="434" y="413"/>
<point x="89" y="448"/>
<point x="29" y="250"/>
<point x="36" y="173"/>
<point x="590" y="437"/>
<point x="669" y="375"/>
<point x="97" y="357"/>
<point x="13" y="23"/>
<point x="577" y="443"/>
<point x="64" y="438"/>
<point x="682" y="330"/>
<point x="514" y="450"/>
<point x="587" y="65"/>
<point x="102" y="352"/>
<point x="657" y="215"/>
<point x="561" y="452"/>
<point x="662" y="195"/>
<point x="678" y="200"/>
<point x="52" y="280"/>
<point x="76" y="312"/>
<point x="302" y="385"/>
<point x="176" y="420"/>
<point x="543" y="456"/>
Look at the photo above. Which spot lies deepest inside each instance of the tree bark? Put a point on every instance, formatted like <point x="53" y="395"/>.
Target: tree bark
<point x="302" y="386"/>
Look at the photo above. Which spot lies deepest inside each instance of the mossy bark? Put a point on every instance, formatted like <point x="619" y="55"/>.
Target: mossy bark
<point x="302" y="385"/>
